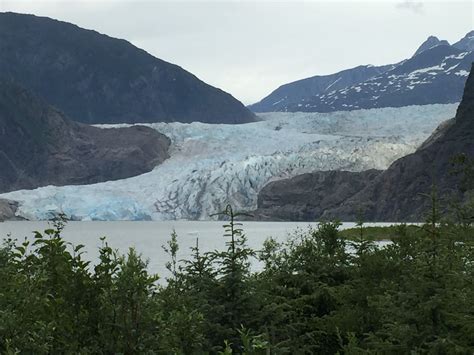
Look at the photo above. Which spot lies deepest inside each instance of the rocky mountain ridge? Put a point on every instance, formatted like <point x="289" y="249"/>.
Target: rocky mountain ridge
<point x="431" y="41"/>
<point x="466" y="43"/>
<point x="436" y="73"/>
<point x="288" y="94"/>
<point x="40" y="146"/>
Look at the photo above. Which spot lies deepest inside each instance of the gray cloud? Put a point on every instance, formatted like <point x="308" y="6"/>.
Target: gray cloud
<point x="411" y="5"/>
<point x="249" y="48"/>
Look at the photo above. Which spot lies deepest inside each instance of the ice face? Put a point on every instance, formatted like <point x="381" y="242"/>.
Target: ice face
<point x="213" y="165"/>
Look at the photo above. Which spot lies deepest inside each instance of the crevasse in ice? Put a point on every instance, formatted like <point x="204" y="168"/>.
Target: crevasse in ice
<point x="212" y="165"/>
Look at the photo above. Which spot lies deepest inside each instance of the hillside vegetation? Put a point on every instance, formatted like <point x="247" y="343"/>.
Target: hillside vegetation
<point x="316" y="293"/>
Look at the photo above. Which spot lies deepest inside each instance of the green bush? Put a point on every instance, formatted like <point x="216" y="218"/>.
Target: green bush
<point x="318" y="292"/>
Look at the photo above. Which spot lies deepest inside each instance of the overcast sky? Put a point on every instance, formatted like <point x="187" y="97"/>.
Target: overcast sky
<point x="249" y="48"/>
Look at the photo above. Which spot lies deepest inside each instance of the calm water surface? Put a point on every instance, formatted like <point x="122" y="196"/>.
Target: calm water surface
<point x="148" y="237"/>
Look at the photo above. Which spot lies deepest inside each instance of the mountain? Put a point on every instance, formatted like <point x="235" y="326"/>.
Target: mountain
<point x="306" y="197"/>
<point x="466" y="43"/>
<point x="431" y="42"/>
<point x="94" y="78"/>
<point x="40" y="146"/>
<point x="435" y="74"/>
<point x="290" y="94"/>
<point x="393" y="195"/>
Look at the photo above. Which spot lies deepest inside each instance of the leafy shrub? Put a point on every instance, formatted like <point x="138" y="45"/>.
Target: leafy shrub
<point x="317" y="293"/>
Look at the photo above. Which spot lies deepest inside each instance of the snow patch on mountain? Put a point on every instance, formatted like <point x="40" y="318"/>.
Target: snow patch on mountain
<point x="212" y="165"/>
<point x="462" y="73"/>
<point x="435" y="76"/>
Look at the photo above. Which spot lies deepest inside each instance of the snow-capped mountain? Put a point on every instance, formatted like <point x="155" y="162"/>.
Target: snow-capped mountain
<point x="435" y="74"/>
<point x="292" y="93"/>
<point x="212" y="165"/>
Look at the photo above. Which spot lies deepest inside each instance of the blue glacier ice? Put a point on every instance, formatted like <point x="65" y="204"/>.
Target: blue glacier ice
<point x="212" y="165"/>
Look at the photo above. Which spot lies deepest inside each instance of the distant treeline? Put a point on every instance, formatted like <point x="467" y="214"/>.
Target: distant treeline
<point x="319" y="293"/>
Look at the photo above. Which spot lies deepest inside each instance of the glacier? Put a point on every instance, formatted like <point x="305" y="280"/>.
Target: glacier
<point x="213" y="165"/>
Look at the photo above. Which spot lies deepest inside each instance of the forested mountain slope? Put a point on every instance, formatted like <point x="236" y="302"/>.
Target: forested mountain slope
<point x="94" y="78"/>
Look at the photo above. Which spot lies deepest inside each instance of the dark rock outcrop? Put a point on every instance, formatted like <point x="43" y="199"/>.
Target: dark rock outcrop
<point x="7" y="210"/>
<point x="306" y="197"/>
<point x="40" y="146"/>
<point x="398" y="193"/>
<point x="439" y="132"/>
<point x="94" y="78"/>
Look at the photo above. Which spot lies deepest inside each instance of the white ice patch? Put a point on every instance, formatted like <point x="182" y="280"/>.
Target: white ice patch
<point x="426" y="70"/>
<point x="212" y="165"/>
<point x="276" y="103"/>
<point x="462" y="73"/>
<point x="462" y="55"/>
<point x="451" y="68"/>
<point x="332" y="84"/>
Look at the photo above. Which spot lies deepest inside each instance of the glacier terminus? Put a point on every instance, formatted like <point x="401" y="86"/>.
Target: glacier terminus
<point x="211" y="165"/>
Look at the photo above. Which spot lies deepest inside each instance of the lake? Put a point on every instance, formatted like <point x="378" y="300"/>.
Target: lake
<point x="148" y="237"/>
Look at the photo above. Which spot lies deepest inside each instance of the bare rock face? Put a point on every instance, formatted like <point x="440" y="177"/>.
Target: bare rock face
<point x="7" y="210"/>
<point x="306" y="197"/>
<point x="96" y="155"/>
<point x="40" y="146"/>
<point x="438" y="133"/>
<point x="94" y="78"/>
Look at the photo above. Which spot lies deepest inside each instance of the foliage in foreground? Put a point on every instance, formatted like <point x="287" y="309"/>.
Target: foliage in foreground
<point x="379" y="233"/>
<point x="316" y="293"/>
